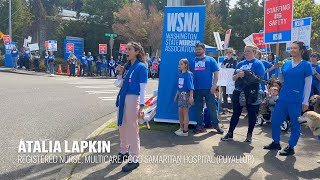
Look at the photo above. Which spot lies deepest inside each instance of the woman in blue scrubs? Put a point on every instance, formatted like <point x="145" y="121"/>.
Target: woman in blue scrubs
<point x="316" y="76"/>
<point x="296" y="75"/>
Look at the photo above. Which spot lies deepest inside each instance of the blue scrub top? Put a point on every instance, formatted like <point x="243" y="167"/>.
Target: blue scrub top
<point x="185" y="82"/>
<point x="203" y="70"/>
<point x="137" y="76"/>
<point x="292" y="90"/>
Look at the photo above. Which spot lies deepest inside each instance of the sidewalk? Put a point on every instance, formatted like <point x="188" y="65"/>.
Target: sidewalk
<point x="166" y="156"/>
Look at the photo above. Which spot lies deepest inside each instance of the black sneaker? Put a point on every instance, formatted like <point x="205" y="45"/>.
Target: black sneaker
<point x="273" y="146"/>
<point x="120" y="158"/>
<point x="130" y="166"/>
<point x="288" y="151"/>
<point x="199" y="130"/>
<point x="249" y="137"/>
<point x="227" y="137"/>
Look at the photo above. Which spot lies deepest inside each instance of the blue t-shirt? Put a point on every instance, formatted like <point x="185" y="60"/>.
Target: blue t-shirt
<point x="315" y="80"/>
<point x="292" y="90"/>
<point x="83" y="60"/>
<point x="255" y="65"/>
<point x="273" y="71"/>
<point x="37" y="56"/>
<point x="51" y="58"/>
<point x="266" y="65"/>
<point x="138" y="75"/>
<point x="185" y="82"/>
<point x="27" y="53"/>
<point x="46" y="57"/>
<point x="14" y="53"/>
<point x="203" y="70"/>
<point x="90" y="60"/>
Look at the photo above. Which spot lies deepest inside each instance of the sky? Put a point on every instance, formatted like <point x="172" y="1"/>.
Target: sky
<point x="233" y="2"/>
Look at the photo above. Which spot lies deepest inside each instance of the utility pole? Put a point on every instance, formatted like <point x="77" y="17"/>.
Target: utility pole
<point x="10" y="26"/>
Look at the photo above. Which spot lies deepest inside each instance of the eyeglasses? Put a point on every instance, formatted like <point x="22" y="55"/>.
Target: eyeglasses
<point x="246" y="51"/>
<point x="228" y="52"/>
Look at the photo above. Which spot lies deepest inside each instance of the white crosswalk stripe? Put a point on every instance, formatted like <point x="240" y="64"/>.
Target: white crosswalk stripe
<point x="103" y="89"/>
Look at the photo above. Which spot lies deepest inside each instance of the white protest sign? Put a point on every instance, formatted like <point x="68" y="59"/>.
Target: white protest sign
<point x="301" y="31"/>
<point x="29" y="39"/>
<point x="248" y="40"/>
<point x="218" y="40"/>
<point x="25" y="43"/>
<point x="230" y="87"/>
<point x="34" y="47"/>
<point x="225" y="76"/>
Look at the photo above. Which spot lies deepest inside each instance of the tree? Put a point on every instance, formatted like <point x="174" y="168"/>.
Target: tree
<point x="221" y="9"/>
<point x="133" y="23"/>
<point x="307" y="8"/>
<point x="213" y="24"/>
<point x="246" y="18"/>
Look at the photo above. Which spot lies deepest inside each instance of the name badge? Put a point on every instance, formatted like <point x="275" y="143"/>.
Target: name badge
<point x="181" y="82"/>
<point x="200" y="66"/>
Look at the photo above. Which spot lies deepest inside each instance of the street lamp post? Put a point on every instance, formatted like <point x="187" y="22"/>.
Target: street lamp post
<point x="10" y="26"/>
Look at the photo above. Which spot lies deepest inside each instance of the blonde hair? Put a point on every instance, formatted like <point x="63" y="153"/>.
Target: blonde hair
<point x="259" y="53"/>
<point x="253" y="47"/>
<point x="186" y="62"/>
<point x="230" y="49"/>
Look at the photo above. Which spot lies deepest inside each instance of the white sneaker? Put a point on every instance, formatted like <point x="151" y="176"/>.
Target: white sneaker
<point x="178" y="131"/>
<point x="181" y="133"/>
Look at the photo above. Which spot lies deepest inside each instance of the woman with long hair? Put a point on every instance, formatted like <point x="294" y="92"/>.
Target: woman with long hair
<point x="296" y="75"/>
<point x="130" y="102"/>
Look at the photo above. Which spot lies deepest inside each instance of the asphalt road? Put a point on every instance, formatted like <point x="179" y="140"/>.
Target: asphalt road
<point x="39" y="108"/>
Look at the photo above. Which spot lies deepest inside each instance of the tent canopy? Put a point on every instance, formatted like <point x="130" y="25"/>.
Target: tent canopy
<point x="211" y="49"/>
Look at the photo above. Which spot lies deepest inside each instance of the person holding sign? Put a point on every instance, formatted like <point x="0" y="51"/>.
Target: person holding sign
<point x="130" y="103"/>
<point x="316" y="77"/>
<point x="83" y="64"/>
<point x="36" y="61"/>
<point x="15" y="56"/>
<point x="257" y="68"/>
<point x="184" y="96"/>
<point x="27" y="55"/>
<point x="90" y="63"/>
<point x="99" y="65"/>
<point x="51" y="63"/>
<point x="46" y="60"/>
<point x="296" y="75"/>
<point x="112" y="66"/>
<point x="72" y="59"/>
<point x="228" y="62"/>
<point x="203" y="68"/>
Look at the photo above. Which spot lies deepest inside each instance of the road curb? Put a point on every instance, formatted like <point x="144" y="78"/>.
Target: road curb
<point x="67" y="170"/>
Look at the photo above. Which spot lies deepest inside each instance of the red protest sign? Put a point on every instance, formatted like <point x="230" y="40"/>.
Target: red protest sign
<point x="258" y="39"/>
<point x="6" y="39"/>
<point x="123" y="48"/>
<point x="102" y="48"/>
<point x="278" y="20"/>
<point x="70" y="47"/>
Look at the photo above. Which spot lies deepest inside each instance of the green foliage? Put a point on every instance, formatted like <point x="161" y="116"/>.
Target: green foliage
<point x="1" y="60"/>
<point x="245" y="19"/>
<point x="212" y="24"/>
<point x="307" y="8"/>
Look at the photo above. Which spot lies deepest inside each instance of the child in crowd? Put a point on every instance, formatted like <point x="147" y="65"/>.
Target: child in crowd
<point x="184" y="96"/>
<point x="272" y="98"/>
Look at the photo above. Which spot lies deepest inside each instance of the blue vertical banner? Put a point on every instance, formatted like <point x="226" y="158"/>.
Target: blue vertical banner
<point x="77" y="48"/>
<point x="183" y="28"/>
<point x="8" y="48"/>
